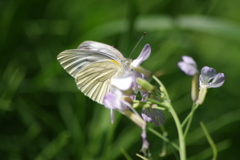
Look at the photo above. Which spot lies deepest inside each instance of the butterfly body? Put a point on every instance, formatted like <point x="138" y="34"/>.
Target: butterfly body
<point x="94" y="65"/>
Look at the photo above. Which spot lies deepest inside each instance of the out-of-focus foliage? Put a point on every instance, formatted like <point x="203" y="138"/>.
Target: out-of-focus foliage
<point x="44" y="116"/>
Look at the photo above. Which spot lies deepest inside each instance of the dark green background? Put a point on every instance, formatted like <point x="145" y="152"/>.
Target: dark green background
<point x="44" y="116"/>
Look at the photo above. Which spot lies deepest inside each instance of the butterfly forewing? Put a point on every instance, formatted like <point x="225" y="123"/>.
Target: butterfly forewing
<point x="102" y="49"/>
<point x="74" y="60"/>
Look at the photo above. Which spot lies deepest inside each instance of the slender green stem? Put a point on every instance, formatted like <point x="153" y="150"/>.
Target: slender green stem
<point x="160" y="108"/>
<point x="164" y="105"/>
<point x="182" y="145"/>
<point x="194" y="107"/>
<point x="164" y="138"/>
<point x="161" y="85"/>
<point x="210" y="141"/>
<point x="164" y="144"/>
<point x="188" y="125"/>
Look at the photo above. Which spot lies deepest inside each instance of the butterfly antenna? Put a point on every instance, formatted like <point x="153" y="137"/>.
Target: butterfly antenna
<point x="144" y="33"/>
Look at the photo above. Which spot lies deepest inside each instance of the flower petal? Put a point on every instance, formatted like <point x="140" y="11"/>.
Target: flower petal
<point x="143" y="56"/>
<point x="189" y="60"/>
<point x="145" y="144"/>
<point x="124" y="82"/>
<point x="112" y="100"/>
<point x="188" y="66"/>
<point x="218" y="81"/>
<point x="207" y="74"/>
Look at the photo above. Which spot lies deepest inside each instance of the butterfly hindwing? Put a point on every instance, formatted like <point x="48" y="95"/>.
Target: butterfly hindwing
<point x="94" y="79"/>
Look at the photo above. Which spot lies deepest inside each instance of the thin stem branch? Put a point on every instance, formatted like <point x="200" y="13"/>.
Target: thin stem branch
<point x="163" y="138"/>
<point x="194" y="107"/>
<point x="164" y="105"/>
<point x="161" y="85"/>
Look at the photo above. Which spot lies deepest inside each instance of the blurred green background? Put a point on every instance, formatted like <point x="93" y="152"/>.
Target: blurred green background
<point x="44" y="116"/>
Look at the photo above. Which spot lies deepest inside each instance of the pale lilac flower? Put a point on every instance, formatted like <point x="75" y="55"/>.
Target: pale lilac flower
<point x="155" y="116"/>
<point x="143" y="56"/>
<point x="145" y="143"/>
<point x="113" y="100"/>
<point x="210" y="79"/>
<point x="128" y="81"/>
<point x="188" y="66"/>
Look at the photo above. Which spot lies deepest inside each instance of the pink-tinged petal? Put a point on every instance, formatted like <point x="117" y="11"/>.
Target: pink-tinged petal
<point x="143" y="56"/>
<point x="112" y="100"/>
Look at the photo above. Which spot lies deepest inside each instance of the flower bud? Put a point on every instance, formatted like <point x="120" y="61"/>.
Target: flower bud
<point x="201" y="95"/>
<point x="143" y="71"/>
<point x="145" y="84"/>
<point x="194" y="90"/>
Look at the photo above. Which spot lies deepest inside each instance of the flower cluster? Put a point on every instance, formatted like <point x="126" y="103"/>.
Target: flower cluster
<point x="133" y="90"/>
<point x="124" y="91"/>
<point x="208" y="78"/>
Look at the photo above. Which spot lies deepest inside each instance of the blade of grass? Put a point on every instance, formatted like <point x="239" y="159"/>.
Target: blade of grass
<point x="54" y="146"/>
<point x="205" y="154"/>
<point x="210" y="141"/>
<point x="126" y="155"/>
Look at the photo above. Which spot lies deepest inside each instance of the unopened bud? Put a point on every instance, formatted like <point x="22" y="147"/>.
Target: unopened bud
<point x="128" y="92"/>
<point x="143" y="71"/>
<point x="194" y="92"/>
<point x="128" y="99"/>
<point x="145" y="84"/>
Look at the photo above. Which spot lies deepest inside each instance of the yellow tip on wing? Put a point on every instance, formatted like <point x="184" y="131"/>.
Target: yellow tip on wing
<point x="115" y="62"/>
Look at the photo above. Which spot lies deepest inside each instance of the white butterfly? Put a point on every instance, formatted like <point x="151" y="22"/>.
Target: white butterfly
<point x="94" y="65"/>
